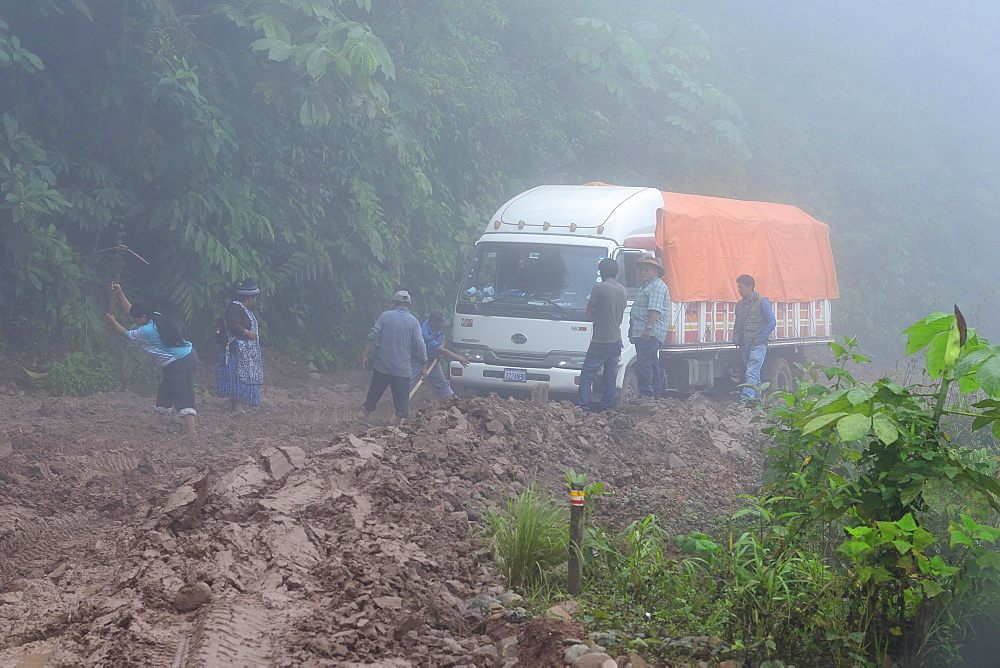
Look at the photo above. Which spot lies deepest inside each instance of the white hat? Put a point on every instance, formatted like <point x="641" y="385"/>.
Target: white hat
<point x="402" y="296"/>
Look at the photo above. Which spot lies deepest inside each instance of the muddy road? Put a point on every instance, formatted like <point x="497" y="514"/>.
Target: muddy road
<point x="299" y="534"/>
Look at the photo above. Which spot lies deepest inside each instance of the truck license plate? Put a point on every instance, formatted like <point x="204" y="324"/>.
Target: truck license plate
<point x="515" y="375"/>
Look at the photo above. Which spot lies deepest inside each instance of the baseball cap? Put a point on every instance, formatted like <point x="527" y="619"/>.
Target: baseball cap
<point x="401" y="296"/>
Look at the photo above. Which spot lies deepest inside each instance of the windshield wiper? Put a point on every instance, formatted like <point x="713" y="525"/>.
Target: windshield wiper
<point x="528" y="298"/>
<point x="564" y="312"/>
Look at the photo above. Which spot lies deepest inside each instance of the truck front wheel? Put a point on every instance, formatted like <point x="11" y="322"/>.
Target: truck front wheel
<point x="630" y="388"/>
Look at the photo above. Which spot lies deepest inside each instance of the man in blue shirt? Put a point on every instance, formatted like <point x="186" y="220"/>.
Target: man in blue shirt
<point x="432" y="330"/>
<point x="397" y="335"/>
<point x="754" y="324"/>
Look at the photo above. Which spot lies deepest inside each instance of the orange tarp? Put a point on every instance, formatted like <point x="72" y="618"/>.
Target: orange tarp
<point x="707" y="242"/>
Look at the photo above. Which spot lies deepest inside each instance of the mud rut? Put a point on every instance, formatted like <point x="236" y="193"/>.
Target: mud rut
<point x="300" y="536"/>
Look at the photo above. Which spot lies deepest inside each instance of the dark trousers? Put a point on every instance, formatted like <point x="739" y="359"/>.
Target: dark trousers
<point x="177" y="387"/>
<point x="647" y="366"/>
<point x="400" y="386"/>
<point x="598" y="355"/>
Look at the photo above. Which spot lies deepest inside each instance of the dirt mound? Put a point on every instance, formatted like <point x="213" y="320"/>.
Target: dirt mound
<point x="273" y="542"/>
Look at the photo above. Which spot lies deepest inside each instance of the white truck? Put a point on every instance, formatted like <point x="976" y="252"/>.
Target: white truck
<point x="520" y="316"/>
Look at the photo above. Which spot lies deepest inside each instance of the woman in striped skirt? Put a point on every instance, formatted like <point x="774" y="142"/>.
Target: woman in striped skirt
<point x="240" y="370"/>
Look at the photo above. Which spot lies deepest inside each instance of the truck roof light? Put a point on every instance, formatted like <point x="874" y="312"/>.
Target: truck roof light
<point x="546" y="225"/>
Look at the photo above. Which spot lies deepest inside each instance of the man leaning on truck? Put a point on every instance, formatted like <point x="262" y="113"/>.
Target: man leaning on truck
<point x="648" y="327"/>
<point x="605" y="308"/>
<point x="754" y="324"/>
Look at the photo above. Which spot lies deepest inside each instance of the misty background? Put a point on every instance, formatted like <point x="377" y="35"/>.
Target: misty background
<point x="337" y="150"/>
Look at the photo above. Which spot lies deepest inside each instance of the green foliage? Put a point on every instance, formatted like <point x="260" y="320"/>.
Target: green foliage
<point x="79" y="375"/>
<point x="875" y="459"/>
<point x="333" y="150"/>
<point x="13" y="53"/>
<point x="875" y="539"/>
<point x="765" y="597"/>
<point x="530" y="537"/>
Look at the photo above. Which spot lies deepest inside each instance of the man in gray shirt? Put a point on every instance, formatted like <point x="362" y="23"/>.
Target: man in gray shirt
<point x="397" y="335"/>
<point x="605" y="308"/>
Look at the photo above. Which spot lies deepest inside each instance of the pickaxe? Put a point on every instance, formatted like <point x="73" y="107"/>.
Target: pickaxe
<point x="120" y="250"/>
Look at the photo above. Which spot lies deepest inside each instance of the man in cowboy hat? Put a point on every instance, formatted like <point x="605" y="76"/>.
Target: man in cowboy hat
<point x="397" y="335"/>
<point x="648" y="327"/>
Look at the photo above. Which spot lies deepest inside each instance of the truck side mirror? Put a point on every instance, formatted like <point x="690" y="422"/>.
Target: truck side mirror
<point x="461" y="262"/>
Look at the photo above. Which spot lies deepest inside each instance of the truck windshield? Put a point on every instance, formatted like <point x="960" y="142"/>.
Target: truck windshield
<point x="530" y="280"/>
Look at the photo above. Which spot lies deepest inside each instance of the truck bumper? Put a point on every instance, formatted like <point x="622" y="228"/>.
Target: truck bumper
<point x="491" y="378"/>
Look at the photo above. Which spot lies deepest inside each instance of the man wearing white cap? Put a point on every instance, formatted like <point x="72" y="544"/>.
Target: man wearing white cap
<point x="397" y="335"/>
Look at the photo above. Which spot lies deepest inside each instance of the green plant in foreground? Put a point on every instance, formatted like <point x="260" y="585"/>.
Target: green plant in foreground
<point x="875" y="459"/>
<point x="79" y="375"/>
<point x="874" y="540"/>
<point x="530" y="537"/>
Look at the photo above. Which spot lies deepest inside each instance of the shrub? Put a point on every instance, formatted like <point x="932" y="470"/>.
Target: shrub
<point x="530" y="537"/>
<point x="80" y="375"/>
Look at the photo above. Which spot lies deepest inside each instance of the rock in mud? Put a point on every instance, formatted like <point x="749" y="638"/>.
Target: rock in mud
<point x="574" y="652"/>
<point x="192" y="596"/>
<point x="595" y="660"/>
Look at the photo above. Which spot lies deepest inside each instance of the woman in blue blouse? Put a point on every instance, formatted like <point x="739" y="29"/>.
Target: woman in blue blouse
<point x="158" y="337"/>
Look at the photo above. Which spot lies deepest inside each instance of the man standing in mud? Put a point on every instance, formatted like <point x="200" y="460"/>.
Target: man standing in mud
<point x="605" y="308"/>
<point x="754" y="324"/>
<point x="397" y="335"/>
<point x="648" y="327"/>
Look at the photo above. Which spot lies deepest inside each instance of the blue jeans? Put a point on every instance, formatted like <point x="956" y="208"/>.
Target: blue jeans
<point x="753" y="359"/>
<point x="647" y="366"/>
<point x="598" y="355"/>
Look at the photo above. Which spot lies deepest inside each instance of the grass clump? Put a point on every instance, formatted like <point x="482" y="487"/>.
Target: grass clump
<point x="529" y="536"/>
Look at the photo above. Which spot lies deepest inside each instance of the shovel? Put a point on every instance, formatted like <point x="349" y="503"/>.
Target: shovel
<point x="421" y="381"/>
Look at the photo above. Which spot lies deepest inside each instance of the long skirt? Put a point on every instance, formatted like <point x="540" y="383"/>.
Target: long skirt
<point x="227" y="381"/>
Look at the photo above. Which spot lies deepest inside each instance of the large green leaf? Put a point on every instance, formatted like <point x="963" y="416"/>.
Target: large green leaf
<point x="922" y="333"/>
<point x="854" y="426"/>
<point x="936" y="357"/>
<point x="821" y="421"/>
<point x="884" y="428"/>
<point x="988" y="376"/>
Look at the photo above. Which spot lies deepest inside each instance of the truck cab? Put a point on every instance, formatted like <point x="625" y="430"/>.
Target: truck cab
<point x="520" y="315"/>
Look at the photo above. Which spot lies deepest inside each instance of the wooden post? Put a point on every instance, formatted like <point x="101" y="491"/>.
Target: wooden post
<point x="540" y="394"/>
<point x="576" y="512"/>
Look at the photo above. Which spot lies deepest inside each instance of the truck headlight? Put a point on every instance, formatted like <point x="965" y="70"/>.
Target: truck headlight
<point x="471" y="354"/>
<point x="569" y="360"/>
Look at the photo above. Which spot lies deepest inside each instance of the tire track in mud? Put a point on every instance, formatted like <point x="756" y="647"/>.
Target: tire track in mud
<point x="112" y="461"/>
<point x="34" y="544"/>
<point x="230" y="634"/>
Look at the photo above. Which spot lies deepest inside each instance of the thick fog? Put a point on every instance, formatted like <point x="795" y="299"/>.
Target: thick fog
<point x="899" y="102"/>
